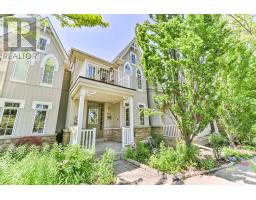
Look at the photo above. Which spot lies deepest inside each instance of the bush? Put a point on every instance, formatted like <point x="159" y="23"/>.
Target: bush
<point x="249" y="147"/>
<point x="141" y="153"/>
<point x="41" y="166"/>
<point x="217" y="142"/>
<point x="207" y="164"/>
<point x="229" y="152"/>
<point x="158" y="138"/>
<point x="174" y="161"/>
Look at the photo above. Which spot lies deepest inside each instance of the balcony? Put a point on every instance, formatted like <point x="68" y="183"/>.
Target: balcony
<point x="105" y="75"/>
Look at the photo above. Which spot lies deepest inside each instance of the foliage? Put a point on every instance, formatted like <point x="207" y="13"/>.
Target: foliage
<point x="174" y="161"/>
<point x="249" y="147"/>
<point x="32" y="165"/>
<point x="140" y="153"/>
<point x="157" y="137"/>
<point x="207" y="164"/>
<point x="217" y="142"/>
<point x="230" y="152"/>
<point x="186" y="78"/>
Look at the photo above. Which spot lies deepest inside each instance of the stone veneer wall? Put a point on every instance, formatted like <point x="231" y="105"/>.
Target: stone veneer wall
<point x="141" y="134"/>
<point x="112" y="135"/>
<point x="48" y="139"/>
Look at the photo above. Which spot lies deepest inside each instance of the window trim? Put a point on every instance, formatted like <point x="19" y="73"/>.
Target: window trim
<point x="34" y="104"/>
<point x="48" y="41"/>
<point x="13" y="71"/>
<point x="56" y="68"/>
<point x="131" y="72"/>
<point x="2" y="106"/>
<point x="138" y="69"/>
<point x="144" y="107"/>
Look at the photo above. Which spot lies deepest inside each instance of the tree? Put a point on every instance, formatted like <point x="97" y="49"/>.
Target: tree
<point x="183" y="56"/>
<point x="72" y="20"/>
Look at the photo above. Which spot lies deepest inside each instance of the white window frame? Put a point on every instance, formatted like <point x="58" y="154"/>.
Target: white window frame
<point x="127" y="63"/>
<point x="34" y="104"/>
<point x="132" y="53"/>
<point x="139" y="89"/>
<point x="56" y="68"/>
<point x="14" y="69"/>
<point x="2" y="108"/>
<point x="144" y="107"/>
<point x="48" y="41"/>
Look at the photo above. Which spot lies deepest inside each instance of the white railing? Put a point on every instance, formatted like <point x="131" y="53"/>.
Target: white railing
<point x="126" y="136"/>
<point x="73" y="131"/>
<point x="88" y="138"/>
<point x="171" y="131"/>
<point x="106" y="75"/>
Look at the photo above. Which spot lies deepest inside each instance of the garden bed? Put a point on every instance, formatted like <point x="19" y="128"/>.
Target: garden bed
<point x="31" y="165"/>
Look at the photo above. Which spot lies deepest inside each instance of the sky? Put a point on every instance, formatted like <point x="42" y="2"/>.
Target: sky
<point x="105" y="43"/>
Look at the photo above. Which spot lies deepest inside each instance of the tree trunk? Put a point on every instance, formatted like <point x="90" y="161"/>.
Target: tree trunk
<point x="231" y="140"/>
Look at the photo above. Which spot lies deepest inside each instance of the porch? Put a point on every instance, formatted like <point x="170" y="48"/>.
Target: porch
<point x="101" y="118"/>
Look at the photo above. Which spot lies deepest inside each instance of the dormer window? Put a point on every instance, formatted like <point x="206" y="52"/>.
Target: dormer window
<point x="42" y="44"/>
<point x="133" y="58"/>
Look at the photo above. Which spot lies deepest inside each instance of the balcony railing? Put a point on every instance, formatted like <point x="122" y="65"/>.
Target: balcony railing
<point x="106" y="75"/>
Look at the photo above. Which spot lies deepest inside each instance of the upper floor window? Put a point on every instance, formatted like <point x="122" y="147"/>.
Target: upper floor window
<point x="49" y="64"/>
<point x="42" y="44"/>
<point x="21" y="70"/>
<point x="127" y="69"/>
<point x="133" y="58"/>
<point x="139" y="79"/>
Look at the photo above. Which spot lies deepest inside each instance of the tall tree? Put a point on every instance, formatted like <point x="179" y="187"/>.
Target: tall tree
<point x="183" y="56"/>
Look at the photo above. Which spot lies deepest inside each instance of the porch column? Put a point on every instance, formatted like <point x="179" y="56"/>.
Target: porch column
<point x="131" y="107"/>
<point x="80" y="116"/>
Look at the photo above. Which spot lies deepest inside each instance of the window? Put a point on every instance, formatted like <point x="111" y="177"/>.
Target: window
<point x="133" y="58"/>
<point x="40" y="118"/>
<point x="21" y="70"/>
<point x="41" y="44"/>
<point x="8" y="118"/>
<point x="127" y="116"/>
<point x="127" y="69"/>
<point x="139" y="79"/>
<point x="93" y="116"/>
<point x="91" y="71"/>
<point x="49" y="64"/>
<point x="141" y="114"/>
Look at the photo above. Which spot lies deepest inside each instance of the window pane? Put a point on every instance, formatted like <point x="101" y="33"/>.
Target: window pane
<point x="133" y="59"/>
<point x="7" y="122"/>
<point x="39" y="121"/>
<point x="48" y="71"/>
<point x="41" y="43"/>
<point x="21" y="69"/>
<point x="127" y="69"/>
<point x="9" y="104"/>
<point x="93" y="116"/>
<point x="127" y="117"/>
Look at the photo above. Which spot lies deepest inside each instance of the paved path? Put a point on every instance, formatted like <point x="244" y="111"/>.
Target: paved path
<point x="241" y="173"/>
<point x="129" y="174"/>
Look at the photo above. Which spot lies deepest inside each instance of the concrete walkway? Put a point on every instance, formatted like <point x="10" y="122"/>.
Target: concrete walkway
<point x="129" y="174"/>
<point x="241" y="173"/>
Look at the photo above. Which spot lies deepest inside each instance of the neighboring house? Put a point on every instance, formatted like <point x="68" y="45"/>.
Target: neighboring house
<point x="30" y="90"/>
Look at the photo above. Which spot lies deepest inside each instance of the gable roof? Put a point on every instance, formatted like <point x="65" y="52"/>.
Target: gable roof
<point x="125" y="50"/>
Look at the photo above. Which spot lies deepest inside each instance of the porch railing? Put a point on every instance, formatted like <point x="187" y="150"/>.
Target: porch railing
<point x="106" y="75"/>
<point x="171" y="131"/>
<point x="88" y="138"/>
<point x="126" y="136"/>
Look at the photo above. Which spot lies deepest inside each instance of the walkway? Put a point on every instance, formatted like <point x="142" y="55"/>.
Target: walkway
<point x="129" y="174"/>
<point x="241" y="173"/>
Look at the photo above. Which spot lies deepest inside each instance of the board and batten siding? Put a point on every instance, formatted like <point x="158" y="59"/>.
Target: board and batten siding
<point x="31" y="91"/>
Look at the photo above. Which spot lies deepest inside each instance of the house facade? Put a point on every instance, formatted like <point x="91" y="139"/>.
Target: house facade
<point x="30" y="90"/>
<point x="94" y="100"/>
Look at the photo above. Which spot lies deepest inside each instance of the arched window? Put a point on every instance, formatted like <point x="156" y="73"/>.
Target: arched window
<point x="49" y="64"/>
<point x="127" y="69"/>
<point x="139" y="79"/>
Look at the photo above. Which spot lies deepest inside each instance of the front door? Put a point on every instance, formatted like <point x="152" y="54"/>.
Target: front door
<point x="95" y="117"/>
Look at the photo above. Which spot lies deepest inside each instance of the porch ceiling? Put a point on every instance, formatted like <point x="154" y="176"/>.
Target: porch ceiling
<point x="101" y="92"/>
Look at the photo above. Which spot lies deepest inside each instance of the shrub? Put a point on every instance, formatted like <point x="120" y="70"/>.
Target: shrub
<point x="104" y="172"/>
<point x="229" y="152"/>
<point x="249" y="147"/>
<point x="217" y="142"/>
<point x="207" y="164"/>
<point x="141" y="153"/>
<point x="158" y="138"/>
<point x="174" y="161"/>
